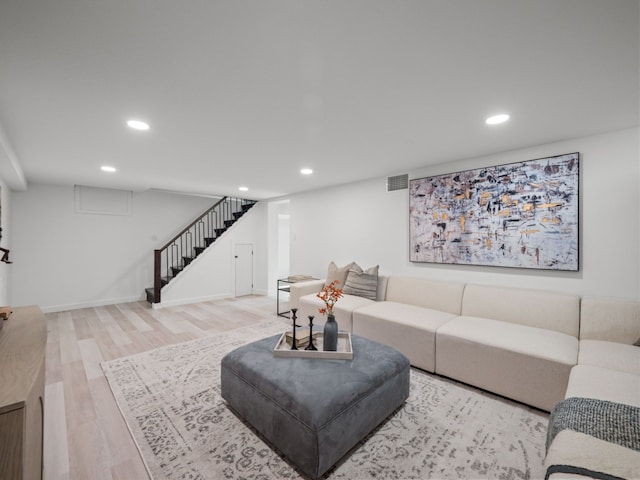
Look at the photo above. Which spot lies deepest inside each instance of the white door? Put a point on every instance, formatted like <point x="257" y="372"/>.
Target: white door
<point x="244" y="269"/>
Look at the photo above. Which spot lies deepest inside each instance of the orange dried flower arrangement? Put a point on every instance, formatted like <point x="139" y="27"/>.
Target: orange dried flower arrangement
<point x="329" y="295"/>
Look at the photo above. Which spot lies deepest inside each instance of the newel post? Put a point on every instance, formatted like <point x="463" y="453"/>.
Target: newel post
<point x="157" y="275"/>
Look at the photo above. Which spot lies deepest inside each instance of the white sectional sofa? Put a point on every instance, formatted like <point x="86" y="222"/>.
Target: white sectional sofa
<point x="533" y="346"/>
<point x="607" y="376"/>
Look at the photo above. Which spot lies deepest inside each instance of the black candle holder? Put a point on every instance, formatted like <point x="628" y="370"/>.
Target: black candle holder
<point x="294" y="346"/>
<point x="311" y="346"/>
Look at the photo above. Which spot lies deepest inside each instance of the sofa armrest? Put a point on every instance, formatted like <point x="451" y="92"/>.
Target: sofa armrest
<point x="301" y="289"/>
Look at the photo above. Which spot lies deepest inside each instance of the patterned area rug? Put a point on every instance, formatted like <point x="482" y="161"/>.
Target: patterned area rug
<point x="170" y="398"/>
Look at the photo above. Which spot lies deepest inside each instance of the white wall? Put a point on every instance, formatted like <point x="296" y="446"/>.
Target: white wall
<point x="7" y="230"/>
<point x="363" y="222"/>
<point x="284" y="245"/>
<point x="65" y="260"/>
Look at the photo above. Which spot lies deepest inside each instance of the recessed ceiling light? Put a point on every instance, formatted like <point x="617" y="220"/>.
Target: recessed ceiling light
<point x="496" y="119"/>
<point x="138" y="125"/>
<point x="243" y="189"/>
<point x="306" y="171"/>
<point x="108" y="168"/>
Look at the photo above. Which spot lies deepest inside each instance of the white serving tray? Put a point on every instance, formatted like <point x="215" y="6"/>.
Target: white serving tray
<point x="344" y="350"/>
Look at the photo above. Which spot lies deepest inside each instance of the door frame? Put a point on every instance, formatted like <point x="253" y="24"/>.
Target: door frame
<point x="235" y="268"/>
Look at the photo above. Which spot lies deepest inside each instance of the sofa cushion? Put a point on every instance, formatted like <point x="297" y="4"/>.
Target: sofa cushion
<point x="422" y="292"/>
<point x="337" y="273"/>
<point x="534" y="308"/>
<point x="527" y="364"/>
<point x="610" y="318"/>
<point x="604" y="384"/>
<point x="342" y="310"/>
<point x="616" y="356"/>
<point x="362" y="283"/>
<point x="407" y="328"/>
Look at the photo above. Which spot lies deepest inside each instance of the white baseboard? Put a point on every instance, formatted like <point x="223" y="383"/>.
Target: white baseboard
<point x="187" y="301"/>
<point x="170" y="303"/>
<point x="95" y="303"/>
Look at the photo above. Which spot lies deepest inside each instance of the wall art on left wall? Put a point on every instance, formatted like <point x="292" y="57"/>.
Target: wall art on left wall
<point x="522" y="215"/>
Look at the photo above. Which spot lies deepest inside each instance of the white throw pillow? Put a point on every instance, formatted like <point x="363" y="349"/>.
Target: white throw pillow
<point x="337" y="273"/>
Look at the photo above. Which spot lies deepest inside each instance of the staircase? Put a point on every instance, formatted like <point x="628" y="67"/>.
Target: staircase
<point x="183" y="249"/>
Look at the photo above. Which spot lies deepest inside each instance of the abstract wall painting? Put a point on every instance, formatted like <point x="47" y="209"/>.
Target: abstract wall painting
<point x="522" y="215"/>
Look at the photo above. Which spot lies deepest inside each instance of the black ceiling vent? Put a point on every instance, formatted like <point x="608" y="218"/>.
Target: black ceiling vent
<point x="399" y="182"/>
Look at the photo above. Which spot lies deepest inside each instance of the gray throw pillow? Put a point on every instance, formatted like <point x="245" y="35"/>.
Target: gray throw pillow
<point x="363" y="283"/>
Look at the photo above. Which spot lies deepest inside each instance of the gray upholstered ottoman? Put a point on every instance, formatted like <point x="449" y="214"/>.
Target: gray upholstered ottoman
<point x="312" y="410"/>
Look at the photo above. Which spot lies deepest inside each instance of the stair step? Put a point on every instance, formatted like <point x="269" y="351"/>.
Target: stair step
<point x="176" y="270"/>
<point x="187" y="260"/>
<point x="199" y="250"/>
<point x="150" y="295"/>
<point x="220" y="231"/>
<point x="237" y="215"/>
<point x="208" y="241"/>
<point x="228" y="223"/>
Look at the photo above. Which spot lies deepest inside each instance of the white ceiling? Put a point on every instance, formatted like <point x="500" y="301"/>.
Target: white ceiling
<point x="247" y="92"/>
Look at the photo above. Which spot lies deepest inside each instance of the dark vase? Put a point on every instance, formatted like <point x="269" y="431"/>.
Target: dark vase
<point x="330" y="337"/>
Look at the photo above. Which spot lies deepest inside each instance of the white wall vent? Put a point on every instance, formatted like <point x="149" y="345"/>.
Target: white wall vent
<point x="399" y="182"/>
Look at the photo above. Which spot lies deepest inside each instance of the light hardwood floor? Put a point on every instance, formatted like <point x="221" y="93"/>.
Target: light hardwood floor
<point x="85" y="435"/>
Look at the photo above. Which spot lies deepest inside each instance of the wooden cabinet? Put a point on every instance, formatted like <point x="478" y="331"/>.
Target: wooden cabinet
<point x="23" y="342"/>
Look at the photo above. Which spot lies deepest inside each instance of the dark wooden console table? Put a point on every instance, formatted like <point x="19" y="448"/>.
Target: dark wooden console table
<point x="23" y="342"/>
